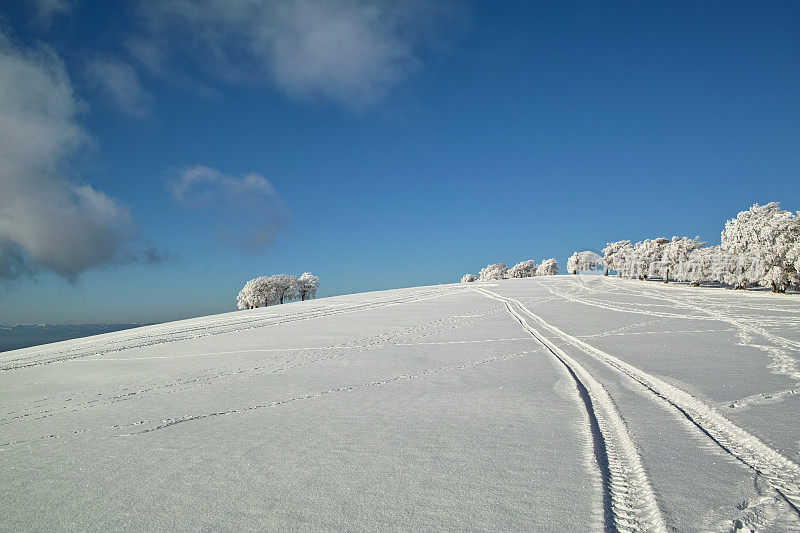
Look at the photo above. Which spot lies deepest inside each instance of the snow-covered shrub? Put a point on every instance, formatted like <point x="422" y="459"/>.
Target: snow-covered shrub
<point x="492" y="272"/>
<point x="525" y="269"/>
<point x="468" y="278"/>
<point x="307" y="285"/>
<point x="548" y="267"/>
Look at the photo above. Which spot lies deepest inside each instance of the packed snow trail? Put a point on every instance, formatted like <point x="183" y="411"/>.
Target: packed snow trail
<point x="782" y="474"/>
<point x="633" y="504"/>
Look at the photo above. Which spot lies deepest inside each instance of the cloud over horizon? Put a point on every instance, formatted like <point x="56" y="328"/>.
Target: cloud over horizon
<point x="349" y="52"/>
<point x="48" y="219"/>
<point x="245" y="210"/>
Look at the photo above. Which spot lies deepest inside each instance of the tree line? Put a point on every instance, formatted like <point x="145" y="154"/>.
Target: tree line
<point x="277" y="289"/>
<point x="759" y="246"/>
<point x="523" y="269"/>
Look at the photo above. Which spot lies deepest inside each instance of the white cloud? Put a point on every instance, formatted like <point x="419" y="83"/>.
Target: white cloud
<point x="48" y="221"/>
<point x="197" y="186"/>
<point x="46" y="10"/>
<point x="350" y="52"/>
<point x="120" y="83"/>
<point x="244" y="209"/>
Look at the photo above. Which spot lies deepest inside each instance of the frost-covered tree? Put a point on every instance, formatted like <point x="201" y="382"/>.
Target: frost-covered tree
<point x="267" y="290"/>
<point x="739" y="270"/>
<point x="307" y="285"/>
<point x="583" y="261"/>
<point x="244" y="300"/>
<point x="548" y="267"/>
<point x="492" y="272"/>
<point x="793" y="260"/>
<point x="285" y="287"/>
<point x="653" y="256"/>
<point x="704" y="264"/>
<point x="257" y="292"/>
<point x="675" y="255"/>
<point x="779" y="235"/>
<point x="646" y="255"/>
<point x="617" y="255"/>
<point x="636" y="265"/>
<point x="525" y="269"/>
<point x="468" y="278"/>
<point x="762" y="240"/>
<point x="572" y="263"/>
<point x="761" y="245"/>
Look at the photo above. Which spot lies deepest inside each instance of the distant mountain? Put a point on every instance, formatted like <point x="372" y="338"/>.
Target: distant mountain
<point x="25" y="335"/>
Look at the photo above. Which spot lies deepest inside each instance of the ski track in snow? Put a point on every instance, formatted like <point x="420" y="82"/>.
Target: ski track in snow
<point x="763" y="398"/>
<point x="620" y="308"/>
<point x="781" y="473"/>
<point x="629" y="499"/>
<point x="780" y="351"/>
<point x="657" y="332"/>
<point x="783" y="363"/>
<point x="712" y="304"/>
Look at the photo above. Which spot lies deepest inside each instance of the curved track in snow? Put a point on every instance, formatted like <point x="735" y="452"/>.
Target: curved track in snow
<point x="781" y="473"/>
<point x="629" y="502"/>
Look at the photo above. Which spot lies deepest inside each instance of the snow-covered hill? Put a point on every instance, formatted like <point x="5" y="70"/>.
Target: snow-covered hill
<point x="554" y="403"/>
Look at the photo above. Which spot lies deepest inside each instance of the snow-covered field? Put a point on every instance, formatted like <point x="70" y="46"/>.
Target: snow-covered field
<point x="550" y="403"/>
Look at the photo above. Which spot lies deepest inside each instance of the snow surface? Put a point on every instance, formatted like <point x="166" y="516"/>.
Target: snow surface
<point x="550" y="403"/>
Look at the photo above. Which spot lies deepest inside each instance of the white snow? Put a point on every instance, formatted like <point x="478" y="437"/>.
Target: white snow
<point x="550" y="403"/>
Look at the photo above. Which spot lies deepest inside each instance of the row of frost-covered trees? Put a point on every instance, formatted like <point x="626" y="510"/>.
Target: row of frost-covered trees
<point x="524" y="269"/>
<point x="760" y="246"/>
<point x="277" y="289"/>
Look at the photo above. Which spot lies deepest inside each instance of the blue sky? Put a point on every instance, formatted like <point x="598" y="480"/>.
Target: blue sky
<point x="388" y="146"/>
